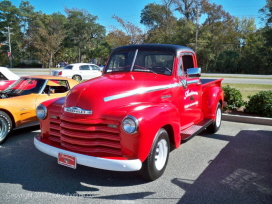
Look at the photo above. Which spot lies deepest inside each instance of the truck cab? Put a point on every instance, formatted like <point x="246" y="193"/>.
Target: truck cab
<point x="149" y="99"/>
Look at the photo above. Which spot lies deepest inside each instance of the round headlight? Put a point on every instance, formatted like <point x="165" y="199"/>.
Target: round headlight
<point x="41" y="112"/>
<point x="130" y="124"/>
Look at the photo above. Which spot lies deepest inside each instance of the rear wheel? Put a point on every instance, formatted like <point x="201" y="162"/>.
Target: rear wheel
<point x="214" y="127"/>
<point x="5" y="126"/>
<point x="77" y="78"/>
<point x="156" y="162"/>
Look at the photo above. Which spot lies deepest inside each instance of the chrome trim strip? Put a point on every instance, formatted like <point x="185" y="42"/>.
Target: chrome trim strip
<point x="141" y="91"/>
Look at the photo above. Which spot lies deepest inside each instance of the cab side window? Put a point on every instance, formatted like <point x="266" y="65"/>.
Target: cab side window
<point x="180" y="67"/>
<point x="188" y="62"/>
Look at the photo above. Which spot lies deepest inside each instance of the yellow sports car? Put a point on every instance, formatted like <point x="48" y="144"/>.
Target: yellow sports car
<point x="18" y="102"/>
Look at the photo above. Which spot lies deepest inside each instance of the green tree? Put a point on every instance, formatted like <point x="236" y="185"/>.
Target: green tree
<point x="9" y="17"/>
<point x="117" y="38"/>
<point x="189" y="9"/>
<point x="216" y="35"/>
<point x="47" y="36"/>
<point x="26" y="16"/>
<point x="83" y="32"/>
<point x="134" y="33"/>
<point x="160" y="21"/>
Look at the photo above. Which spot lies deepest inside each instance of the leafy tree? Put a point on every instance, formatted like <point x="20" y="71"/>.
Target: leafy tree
<point x="266" y="50"/>
<point x="155" y="16"/>
<point x="160" y="21"/>
<point x="134" y="33"/>
<point x="266" y="12"/>
<point x="9" y="17"/>
<point x="217" y="34"/>
<point x="228" y="62"/>
<point x="83" y="32"/>
<point x="117" y="38"/>
<point x="27" y="15"/>
<point x="47" y="36"/>
<point x="189" y="8"/>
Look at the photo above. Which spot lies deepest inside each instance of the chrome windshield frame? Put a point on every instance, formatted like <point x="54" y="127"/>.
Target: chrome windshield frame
<point x="134" y="59"/>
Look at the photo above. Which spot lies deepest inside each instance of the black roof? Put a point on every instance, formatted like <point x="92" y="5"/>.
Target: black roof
<point x="175" y="49"/>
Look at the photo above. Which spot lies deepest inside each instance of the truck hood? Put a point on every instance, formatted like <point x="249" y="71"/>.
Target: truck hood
<point x="115" y="90"/>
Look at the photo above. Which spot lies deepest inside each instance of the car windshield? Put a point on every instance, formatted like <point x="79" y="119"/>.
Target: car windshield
<point x="24" y="86"/>
<point x="2" y="77"/>
<point x="141" y="61"/>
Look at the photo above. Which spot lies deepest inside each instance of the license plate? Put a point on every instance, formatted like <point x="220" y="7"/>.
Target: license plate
<point x="67" y="160"/>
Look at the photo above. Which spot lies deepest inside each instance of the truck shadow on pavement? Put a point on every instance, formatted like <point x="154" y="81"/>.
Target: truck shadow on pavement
<point x="241" y="173"/>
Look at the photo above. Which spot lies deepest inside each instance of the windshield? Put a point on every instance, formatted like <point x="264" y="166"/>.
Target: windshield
<point x="25" y="86"/>
<point x="141" y="61"/>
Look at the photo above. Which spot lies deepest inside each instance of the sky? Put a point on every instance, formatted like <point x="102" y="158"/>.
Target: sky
<point x="130" y="10"/>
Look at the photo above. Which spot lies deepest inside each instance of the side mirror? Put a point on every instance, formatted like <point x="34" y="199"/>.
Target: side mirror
<point x="193" y="72"/>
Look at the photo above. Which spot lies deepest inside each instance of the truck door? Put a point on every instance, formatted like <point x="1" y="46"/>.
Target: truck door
<point x="190" y="93"/>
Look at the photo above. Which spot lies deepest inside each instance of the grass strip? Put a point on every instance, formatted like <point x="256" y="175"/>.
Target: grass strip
<point x="249" y="89"/>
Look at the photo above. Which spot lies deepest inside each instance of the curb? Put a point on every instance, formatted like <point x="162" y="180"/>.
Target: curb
<point x="247" y="119"/>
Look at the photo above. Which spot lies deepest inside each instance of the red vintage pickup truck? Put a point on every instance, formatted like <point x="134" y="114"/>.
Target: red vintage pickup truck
<point x="149" y="99"/>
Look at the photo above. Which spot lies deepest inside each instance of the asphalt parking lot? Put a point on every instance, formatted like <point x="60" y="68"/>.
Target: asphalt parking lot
<point x="231" y="166"/>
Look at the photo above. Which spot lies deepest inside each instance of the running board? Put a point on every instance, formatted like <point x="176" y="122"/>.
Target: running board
<point x="195" y="129"/>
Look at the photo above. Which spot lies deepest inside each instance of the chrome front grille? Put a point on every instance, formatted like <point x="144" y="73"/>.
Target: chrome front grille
<point x="85" y="136"/>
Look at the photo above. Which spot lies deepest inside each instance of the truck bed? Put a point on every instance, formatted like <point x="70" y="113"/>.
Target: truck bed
<point x="206" y="82"/>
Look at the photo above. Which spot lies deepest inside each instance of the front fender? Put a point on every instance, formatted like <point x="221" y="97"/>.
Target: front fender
<point x="53" y="105"/>
<point x="151" y="118"/>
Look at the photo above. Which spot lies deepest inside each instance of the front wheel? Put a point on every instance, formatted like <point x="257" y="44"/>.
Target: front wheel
<point x="5" y="126"/>
<point x="214" y="127"/>
<point x="156" y="162"/>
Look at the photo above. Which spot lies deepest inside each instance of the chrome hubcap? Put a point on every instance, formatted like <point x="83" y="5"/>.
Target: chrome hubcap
<point x="161" y="154"/>
<point x="3" y="128"/>
<point x="218" y="117"/>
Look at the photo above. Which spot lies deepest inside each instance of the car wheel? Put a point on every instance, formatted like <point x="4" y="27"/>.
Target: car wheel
<point x="214" y="127"/>
<point x="5" y="126"/>
<point x="156" y="162"/>
<point x="77" y="78"/>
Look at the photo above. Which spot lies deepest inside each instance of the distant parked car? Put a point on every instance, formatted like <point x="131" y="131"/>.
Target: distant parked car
<point x="79" y="71"/>
<point x="6" y="77"/>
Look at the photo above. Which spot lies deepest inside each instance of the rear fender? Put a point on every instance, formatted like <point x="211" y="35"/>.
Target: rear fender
<point x="210" y="98"/>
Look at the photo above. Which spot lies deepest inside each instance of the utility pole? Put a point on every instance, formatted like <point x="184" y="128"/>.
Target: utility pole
<point x="10" y="55"/>
<point x="197" y="25"/>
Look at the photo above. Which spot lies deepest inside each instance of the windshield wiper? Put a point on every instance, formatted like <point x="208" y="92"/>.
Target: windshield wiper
<point x="143" y="68"/>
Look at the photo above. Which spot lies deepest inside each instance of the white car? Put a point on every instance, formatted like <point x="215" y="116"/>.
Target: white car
<point x="6" y="77"/>
<point x="79" y="71"/>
